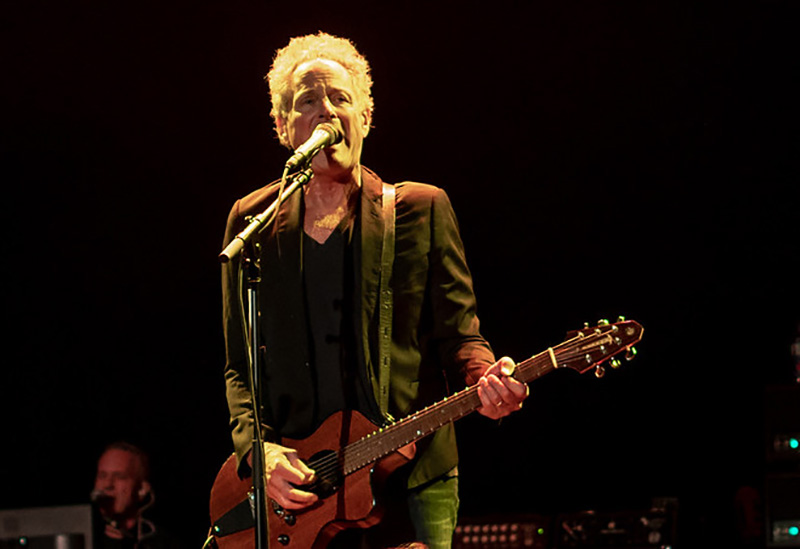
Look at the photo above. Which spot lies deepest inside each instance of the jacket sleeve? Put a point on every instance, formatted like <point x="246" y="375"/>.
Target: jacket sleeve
<point x="237" y="383"/>
<point x="456" y="328"/>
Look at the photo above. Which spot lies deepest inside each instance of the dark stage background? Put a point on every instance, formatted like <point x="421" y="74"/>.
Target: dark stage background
<point x="634" y="158"/>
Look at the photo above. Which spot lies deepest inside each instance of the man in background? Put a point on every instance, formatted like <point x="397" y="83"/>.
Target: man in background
<point x="122" y="492"/>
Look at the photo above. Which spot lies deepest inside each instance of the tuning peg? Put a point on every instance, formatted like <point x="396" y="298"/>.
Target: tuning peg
<point x="599" y="372"/>
<point x="615" y="363"/>
<point x="620" y="318"/>
<point x="630" y="353"/>
<point x="603" y="322"/>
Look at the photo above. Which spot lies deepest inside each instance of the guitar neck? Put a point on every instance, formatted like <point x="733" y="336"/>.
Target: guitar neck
<point x="416" y="426"/>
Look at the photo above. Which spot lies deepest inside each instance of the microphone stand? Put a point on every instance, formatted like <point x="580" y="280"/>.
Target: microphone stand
<point x="251" y="265"/>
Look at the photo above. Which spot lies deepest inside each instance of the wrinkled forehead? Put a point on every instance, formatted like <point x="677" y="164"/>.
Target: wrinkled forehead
<point x="322" y="72"/>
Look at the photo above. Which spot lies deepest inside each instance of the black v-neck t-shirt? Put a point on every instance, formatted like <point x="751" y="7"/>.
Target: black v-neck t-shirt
<point x="328" y="282"/>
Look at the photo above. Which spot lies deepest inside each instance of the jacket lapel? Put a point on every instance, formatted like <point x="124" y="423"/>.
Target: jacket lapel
<point x="290" y="237"/>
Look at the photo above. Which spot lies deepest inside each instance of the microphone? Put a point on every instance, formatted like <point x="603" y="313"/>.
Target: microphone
<point x="324" y="135"/>
<point x="99" y="496"/>
<point x="101" y="501"/>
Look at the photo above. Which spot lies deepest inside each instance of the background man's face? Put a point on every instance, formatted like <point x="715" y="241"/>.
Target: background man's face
<point x="119" y="477"/>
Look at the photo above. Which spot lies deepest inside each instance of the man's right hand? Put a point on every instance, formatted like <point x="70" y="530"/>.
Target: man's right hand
<point x="283" y="472"/>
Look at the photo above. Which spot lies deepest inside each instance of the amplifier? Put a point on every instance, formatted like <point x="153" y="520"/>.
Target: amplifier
<point x="65" y="527"/>
<point x="782" y="427"/>
<point x="505" y="532"/>
<point x="783" y="510"/>
<point x="655" y="528"/>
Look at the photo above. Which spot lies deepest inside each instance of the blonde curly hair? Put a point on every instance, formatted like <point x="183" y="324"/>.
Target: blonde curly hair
<point x="307" y="48"/>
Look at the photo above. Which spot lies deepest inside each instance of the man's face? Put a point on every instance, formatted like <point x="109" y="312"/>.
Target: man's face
<point x="119" y="477"/>
<point x="323" y="91"/>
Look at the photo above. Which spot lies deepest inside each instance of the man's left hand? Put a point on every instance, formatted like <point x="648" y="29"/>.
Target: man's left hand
<point x="500" y="393"/>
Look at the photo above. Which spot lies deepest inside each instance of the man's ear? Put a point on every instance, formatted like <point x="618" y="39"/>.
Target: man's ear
<point x="366" y="121"/>
<point x="144" y="490"/>
<point x="283" y="136"/>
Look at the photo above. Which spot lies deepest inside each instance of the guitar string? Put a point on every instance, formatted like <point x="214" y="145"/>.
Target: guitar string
<point x="329" y="466"/>
<point x="356" y="452"/>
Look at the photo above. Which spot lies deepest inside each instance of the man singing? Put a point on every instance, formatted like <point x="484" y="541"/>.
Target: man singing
<point x="320" y="301"/>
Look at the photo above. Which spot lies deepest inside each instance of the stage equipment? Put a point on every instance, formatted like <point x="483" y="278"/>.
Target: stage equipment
<point x="782" y="427"/>
<point x="66" y="527"/>
<point x="782" y="480"/>
<point x="507" y="532"/>
<point x="649" y="529"/>
<point x="782" y="496"/>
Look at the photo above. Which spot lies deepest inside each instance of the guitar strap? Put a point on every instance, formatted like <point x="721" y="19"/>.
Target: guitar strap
<point x="385" y="299"/>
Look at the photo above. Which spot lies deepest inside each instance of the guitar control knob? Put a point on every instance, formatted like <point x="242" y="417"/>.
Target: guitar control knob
<point x="290" y="519"/>
<point x="283" y="539"/>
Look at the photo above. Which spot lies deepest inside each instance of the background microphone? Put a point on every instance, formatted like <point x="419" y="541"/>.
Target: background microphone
<point x="324" y="135"/>
<point x="99" y="496"/>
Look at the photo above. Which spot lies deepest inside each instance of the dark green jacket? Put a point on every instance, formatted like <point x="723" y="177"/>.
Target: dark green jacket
<point x="436" y="344"/>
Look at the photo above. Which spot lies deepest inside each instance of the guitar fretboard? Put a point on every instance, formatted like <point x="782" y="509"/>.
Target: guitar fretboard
<point x="416" y="426"/>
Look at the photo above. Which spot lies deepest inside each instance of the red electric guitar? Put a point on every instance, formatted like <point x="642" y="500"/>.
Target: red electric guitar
<point x="351" y="456"/>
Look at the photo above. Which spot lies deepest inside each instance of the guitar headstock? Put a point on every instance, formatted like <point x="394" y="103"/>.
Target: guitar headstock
<point x="591" y="346"/>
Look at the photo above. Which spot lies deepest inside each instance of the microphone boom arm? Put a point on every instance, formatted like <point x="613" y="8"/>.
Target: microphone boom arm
<point x="259" y="222"/>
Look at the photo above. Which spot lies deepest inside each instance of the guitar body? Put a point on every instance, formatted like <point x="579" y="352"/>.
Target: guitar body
<point x="351" y="505"/>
